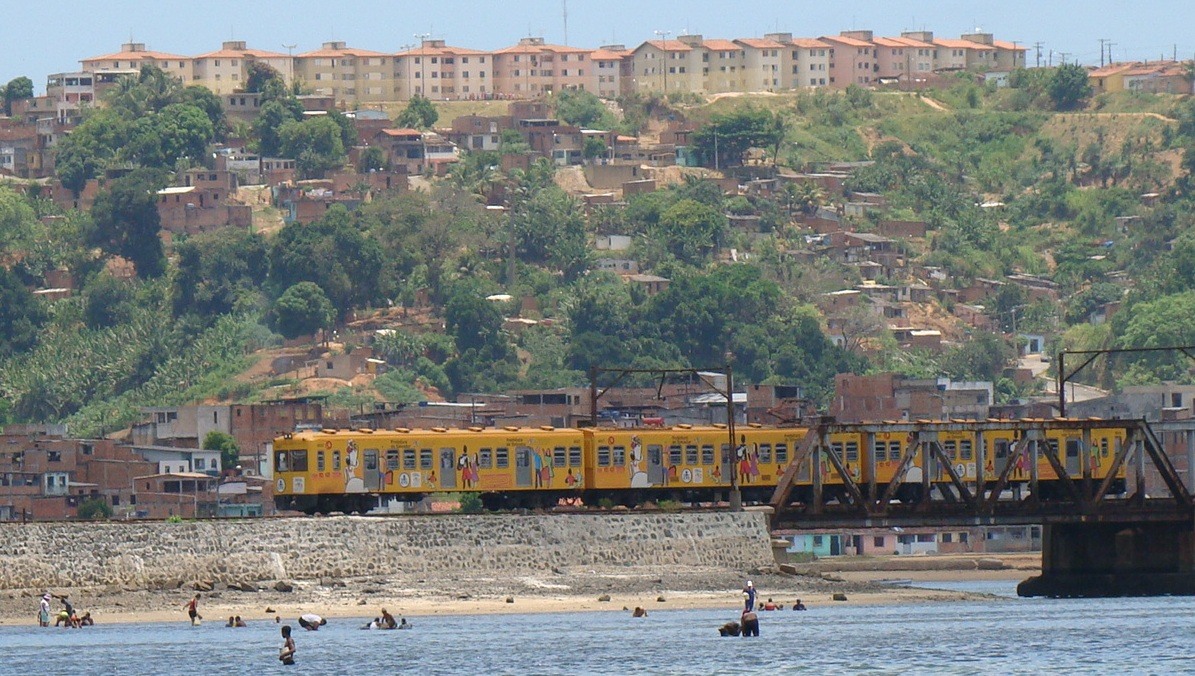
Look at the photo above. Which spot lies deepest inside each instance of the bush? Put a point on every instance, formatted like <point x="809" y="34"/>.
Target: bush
<point x="470" y="503"/>
<point x="95" y="509"/>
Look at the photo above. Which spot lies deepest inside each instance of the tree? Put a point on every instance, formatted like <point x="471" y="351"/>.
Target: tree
<point x="108" y="301"/>
<point x="230" y="452"/>
<point x="583" y="109"/>
<point x="273" y="115"/>
<point x="419" y="114"/>
<point x="126" y="222"/>
<point x="21" y="315"/>
<point x="334" y="254"/>
<point x="373" y="158"/>
<point x="89" y="148"/>
<point x="316" y="144"/>
<point x="161" y="139"/>
<point x="595" y="147"/>
<point x="727" y="137"/>
<point x="218" y="271"/>
<point x="16" y="89"/>
<point x="206" y="100"/>
<point x="262" y="77"/>
<point x="302" y="310"/>
<point x="1068" y="86"/>
<point x="691" y="230"/>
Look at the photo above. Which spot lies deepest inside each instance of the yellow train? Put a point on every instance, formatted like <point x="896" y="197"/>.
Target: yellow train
<point x="360" y="470"/>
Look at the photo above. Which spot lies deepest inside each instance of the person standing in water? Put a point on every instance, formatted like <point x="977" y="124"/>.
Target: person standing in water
<point x="287" y="654"/>
<point x="43" y="612"/>
<point x="192" y="607"/>
<point x="749" y="597"/>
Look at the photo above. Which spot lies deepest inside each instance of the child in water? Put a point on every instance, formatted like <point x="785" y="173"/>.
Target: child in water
<point x="287" y="654"/>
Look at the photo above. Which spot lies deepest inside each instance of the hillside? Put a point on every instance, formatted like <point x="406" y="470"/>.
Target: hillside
<point x="866" y="224"/>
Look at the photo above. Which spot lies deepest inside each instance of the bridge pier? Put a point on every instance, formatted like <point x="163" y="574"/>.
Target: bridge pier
<point x="1115" y="559"/>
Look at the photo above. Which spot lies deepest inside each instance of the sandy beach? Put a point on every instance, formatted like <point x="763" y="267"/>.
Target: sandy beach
<point x="653" y="588"/>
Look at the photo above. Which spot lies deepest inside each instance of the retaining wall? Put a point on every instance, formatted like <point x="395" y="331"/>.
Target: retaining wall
<point x="154" y="555"/>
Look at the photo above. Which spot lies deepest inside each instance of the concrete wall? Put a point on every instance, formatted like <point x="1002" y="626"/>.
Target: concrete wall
<point x="163" y="554"/>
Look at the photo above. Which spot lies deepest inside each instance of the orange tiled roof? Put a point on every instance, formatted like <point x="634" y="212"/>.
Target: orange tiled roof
<point x="721" y="45"/>
<point x="241" y="53"/>
<point x="606" y="55"/>
<point x="446" y="50"/>
<point x="1112" y="69"/>
<point x="137" y="56"/>
<point x="852" y="42"/>
<point x="402" y="132"/>
<point x="808" y="43"/>
<point x="951" y="43"/>
<point x="536" y="49"/>
<point x="1001" y="44"/>
<point x="760" y="43"/>
<point x="669" y="45"/>
<point x="347" y="51"/>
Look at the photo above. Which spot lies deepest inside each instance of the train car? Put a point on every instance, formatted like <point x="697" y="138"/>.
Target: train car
<point x="359" y="470"/>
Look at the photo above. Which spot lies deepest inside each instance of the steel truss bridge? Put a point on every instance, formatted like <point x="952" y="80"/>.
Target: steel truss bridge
<point x="1081" y="495"/>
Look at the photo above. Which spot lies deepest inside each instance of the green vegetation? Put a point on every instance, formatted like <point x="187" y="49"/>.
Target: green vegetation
<point x="95" y="509"/>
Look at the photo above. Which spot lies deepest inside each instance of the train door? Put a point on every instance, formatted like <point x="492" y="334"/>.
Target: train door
<point x="1074" y="446"/>
<point x="655" y="464"/>
<point x="448" y="468"/>
<point x="523" y="467"/>
<point x="373" y="473"/>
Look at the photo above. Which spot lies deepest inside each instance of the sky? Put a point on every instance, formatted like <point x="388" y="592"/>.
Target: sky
<point x="49" y="36"/>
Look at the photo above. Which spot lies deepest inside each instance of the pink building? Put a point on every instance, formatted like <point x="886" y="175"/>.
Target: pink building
<point x="535" y="68"/>
<point x="852" y="59"/>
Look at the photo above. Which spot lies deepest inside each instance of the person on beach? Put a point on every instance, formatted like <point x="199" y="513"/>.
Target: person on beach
<point x="403" y="624"/>
<point x="192" y="607"/>
<point x="311" y="621"/>
<point x="68" y="612"/>
<point x="749" y="597"/>
<point x="750" y="623"/>
<point x="231" y="621"/>
<point x="287" y="654"/>
<point x="86" y="621"/>
<point x="388" y="621"/>
<point x="639" y="612"/>
<point x="799" y="606"/>
<point x="43" y="611"/>
<point x="239" y="622"/>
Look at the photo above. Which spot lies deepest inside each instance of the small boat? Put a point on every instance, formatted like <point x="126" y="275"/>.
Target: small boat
<point x="894" y="583"/>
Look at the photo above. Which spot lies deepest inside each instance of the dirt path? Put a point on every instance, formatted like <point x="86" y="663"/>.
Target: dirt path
<point x="933" y="104"/>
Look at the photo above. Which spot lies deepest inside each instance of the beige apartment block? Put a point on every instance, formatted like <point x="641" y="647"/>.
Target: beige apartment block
<point x="667" y="66"/>
<point x="351" y="76"/>
<point x="764" y="64"/>
<point x="534" y="68"/>
<point x="804" y="62"/>
<point x="903" y="59"/>
<point x="439" y="71"/>
<point x="607" y="64"/>
<point x="225" y="71"/>
<point x="723" y="64"/>
<point x="133" y="55"/>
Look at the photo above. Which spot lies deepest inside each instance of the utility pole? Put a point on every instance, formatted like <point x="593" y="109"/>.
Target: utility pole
<point x="1037" y="46"/>
<point x="663" y="35"/>
<point x="736" y="495"/>
<point x="1110" y="46"/>
<point x="1062" y="56"/>
<point x="1103" y="41"/>
<point x="422" y="63"/>
<point x="564" y="3"/>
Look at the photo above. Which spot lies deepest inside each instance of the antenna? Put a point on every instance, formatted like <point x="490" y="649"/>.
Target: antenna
<point x="1102" y="42"/>
<point x="290" y="49"/>
<point x="564" y="5"/>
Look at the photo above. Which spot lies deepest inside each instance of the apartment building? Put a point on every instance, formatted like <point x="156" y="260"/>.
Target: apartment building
<point x="349" y="75"/>
<point x="804" y="62"/>
<point x="763" y="64"/>
<point x="133" y="55"/>
<point x="903" y="59"/>
<point x="852" y="59"/>
<point x="607" y="64"/>
<point x="666" y="66"/>
<point x="436" y="70"/>
<point x="224" y="71"/>
<point x="723" y="64"/>
<point x="534" y="68"/>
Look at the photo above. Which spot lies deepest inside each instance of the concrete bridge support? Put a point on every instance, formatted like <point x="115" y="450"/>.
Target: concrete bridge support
<point x="1115" y="559"/>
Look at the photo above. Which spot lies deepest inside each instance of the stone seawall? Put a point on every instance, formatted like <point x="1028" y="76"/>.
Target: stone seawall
<point x="165" y="555"/>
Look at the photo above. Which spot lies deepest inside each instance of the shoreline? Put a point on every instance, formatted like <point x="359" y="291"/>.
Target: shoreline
<point x="552" y="592"/>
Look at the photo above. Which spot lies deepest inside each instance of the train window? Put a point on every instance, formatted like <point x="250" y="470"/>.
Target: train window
<point x="620" y="456"/>
<point x="1072" y="448"/>
<point x="502" y="458"/>
<point x="951" y="449"/>
<point x="781" y="453"/>
<point x="881" y="450"/>
<point x="371" y="459"/>
<point x="894" y="450"/>
<point x="1104" y="448"/>
<point x="298" y="461"/>
<point x="603" y="456"/>
<point x="335" y="461"/>
<point x="1001" y="448"/>
<point x="673" y="456"/>
<point x="1053" y="446"/>
<point x="690" y="455"/>
<point x="408" y="459"/>
<point x="319" y="461"/>
<point x="281" y="462"/>
<point x="725" y="453"/>
<point x="574" y="456"/>
<point x="485" y="459"/>
<point x="836" y="449"/>
<point x="522" y="457"/>
<point x="852" y="451"/>
<point x="425" y="458"/>
<point x="966" y="451"/>
<point x="559" y="459"/>
<point x="765" y="453"/>
<point x="707" y="454"/>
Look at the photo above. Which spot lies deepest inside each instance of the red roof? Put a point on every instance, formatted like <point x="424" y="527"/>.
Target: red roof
<point x="137" y="56"/>
<point x="402" y="132"/>
<point x="606" y="55"/>
<point x="241" y="53"/>
<point x="842" y="39"/>
<point x="528" y="48"/>
<point x="668" y="45"/>
<point x="760" y="43"/>
<point x="959" y="44"/>
<point x="721" y="45"/>
<point x="808" y="43"/>
<point x="1001" y="44"/>
<point x="347" y="51"/>
<point x="446" y="50"/>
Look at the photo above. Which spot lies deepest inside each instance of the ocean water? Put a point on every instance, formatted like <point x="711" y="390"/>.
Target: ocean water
<point x="998" y="636"/>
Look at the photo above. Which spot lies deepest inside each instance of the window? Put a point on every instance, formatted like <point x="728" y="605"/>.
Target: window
<point x="425" y="458"/>
<point x="765" y="453"/>
<point x="319" y="461"/>
<point x="620" y="456"/>
<point x="951" y="449"/>
<point x="947" y="537"/>
<point x="485" y="458"/>
<point x="503" y="458"/>
<point x="559" y="457"/>
<point x="408" y="459"/>
<point x="707" y="454"/>
<point x="281" y="463"/>
<point x="781" y="453"/>
<point x="603" y="456"/>
<point x="674" y="455"/>
<point x="574" y="456"/>
<point x="690" y="455"/>
<point x="881" y="450"/>
<point x="335" y="461"/>
<point x="852" y="451"/>
<point x="201" y="463"/>
<point x="54" y="456"/>
<point x="966" y="450"/>
<point x="894" y="450"/>
<point x="818" y="540"/>
<point x="877" y="541"/>
<point x="298" y="461"/>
